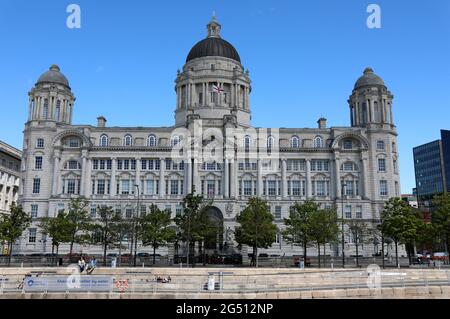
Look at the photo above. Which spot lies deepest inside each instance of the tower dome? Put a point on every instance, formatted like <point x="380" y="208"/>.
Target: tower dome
<point x="53" y="75"/>
<point x="213" y="45"/>
<point x="369" y="78"/>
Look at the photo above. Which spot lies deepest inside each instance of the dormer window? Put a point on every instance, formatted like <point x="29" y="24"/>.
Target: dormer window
<point x="127" y="140"/>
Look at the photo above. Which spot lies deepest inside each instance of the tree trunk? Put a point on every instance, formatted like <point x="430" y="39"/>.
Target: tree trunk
<point x="382" y="250"/>
<point x="9" y="252"/>
<point x="396" y="253"/>
<point x="154" y="254"/>
<point x="357" y="255"/>
<point x="324" y="255"/>
<point x="57" y="255"/>
<point x="304" y="251"/>
<point x="105" y="247"/>
<point x="318" y="246"/>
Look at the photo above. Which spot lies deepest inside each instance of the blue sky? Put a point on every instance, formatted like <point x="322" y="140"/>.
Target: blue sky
<point x="303" y="57"/>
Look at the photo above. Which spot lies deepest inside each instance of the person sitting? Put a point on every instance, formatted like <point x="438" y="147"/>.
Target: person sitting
<point x="81" y="264"/>
<point x="91" y="266"/>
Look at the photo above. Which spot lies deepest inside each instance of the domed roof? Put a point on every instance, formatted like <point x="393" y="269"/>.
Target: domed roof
<point x="368" y="79"/>
<point x="53" y="75"/>
<point x="213" y="45"/>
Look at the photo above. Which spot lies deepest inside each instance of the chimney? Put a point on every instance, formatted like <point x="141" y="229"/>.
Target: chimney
<point x="322" y="122"/>
<point x="101" y="121"/>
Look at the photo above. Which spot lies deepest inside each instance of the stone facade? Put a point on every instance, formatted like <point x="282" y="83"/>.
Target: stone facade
<point x="212" y="147"/>
<point x="9" y="176"/>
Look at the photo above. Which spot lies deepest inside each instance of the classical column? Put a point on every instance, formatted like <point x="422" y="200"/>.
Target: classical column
<point x="364" y="172"/>
<point x="226" y="169"/>
<point x="113" y="189"/>
<point x="162" y="180"/>
<point x="83" y="174"/>
<point x="87" y="189"/>
<point x="196" y="176"/>
<point x="233" y="178"/>
<point x="337" y="176"/>
<point x="308" y="179"/>
<point x="56" y="169"/>
<point x="187" y="177"/>
<point x="284" y="178"/>
<point x="260" y="180"/>
<point x="138" y="174"/>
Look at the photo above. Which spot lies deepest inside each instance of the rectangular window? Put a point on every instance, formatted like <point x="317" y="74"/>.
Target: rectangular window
<point x="359" y="212"/>
<point x="34" y="211"/>
<point x="119" y="164"/>
<point x="150" y="187"/>
<point x="211" y="187"/>
<point x="383" y="188"/>
<point x="157" y="165"/>
<point x="179" y="210"/>
<point x="277" y="212"/>
<point x="144" y="164"/>
<point x="296" y="188"/>
<point x="380" y="145"/>
<point x="348" y="145"/>
<point x="60" y="208"/>
<point x="93" y="211"/>
<point x="397" y="191"/>
<point x="71" y="186"/>
<point x="348" y="211"/>
<point x="129" y="213"/>
<point x="381" y="165"/>
<point x="125" y="187"/>
<point x="168" y="208"/>
<point x="168" y="165"/>
<point x="108" y="164"/>
<point x="174" y="187"/>
<point x="349" y="190"/>
<point x="38" y="162"/>
<point x="248" y="188"/>
<point x="394" y="163"/>
<point x="102" y="164"/>
<point x="36" y="185"/>
<point x="101" y="186"/>
<point x="272" y="185"/>
<point x="126" y="164"/>
<point x="40" y="143"/>
<point x="133" y="165"/>
<point x="200" y="98"/>
<point x="143" y="210"/>
<point x="320" y="188"/>
<point x="95" y="164"/>
<point x="32" y="235"/>
<point x="264" y="187"/>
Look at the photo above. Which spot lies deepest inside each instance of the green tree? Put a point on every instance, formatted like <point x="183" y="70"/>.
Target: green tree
<point x="256" y="228"/>
<point x="194" y="223"/>
<point x="400" y="222"/>
<point x="104" y="231"/>
<point x="441" y="217"/>
<point x="324" y="228"/>
<point x="79" y="222"/>
<point x="298" y="225"/>
<point x="361" y="234"/>
<point x="12" y="226"/>
<point x="56" y="228"/>
<point x="156" y="230"/>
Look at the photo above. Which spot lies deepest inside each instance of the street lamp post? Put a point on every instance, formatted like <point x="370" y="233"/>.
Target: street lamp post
<point x="343" y="237"/>
<point x="135" y="226"/>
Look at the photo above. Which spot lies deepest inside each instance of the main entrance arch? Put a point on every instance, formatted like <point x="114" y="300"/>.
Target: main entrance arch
<point x="214" y="240"/>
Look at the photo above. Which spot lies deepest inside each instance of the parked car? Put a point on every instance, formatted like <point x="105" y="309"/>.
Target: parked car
<point x="143" y="255"/>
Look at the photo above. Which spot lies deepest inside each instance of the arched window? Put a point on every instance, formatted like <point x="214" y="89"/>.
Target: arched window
<point x="127" y="140"/>
<point x="270" y="142"/>
<point x="247" y="143"/>
<point x="295" y="142"/>
<point x="318" y="142"/>
<point x="394" y="148"/>
<point x="175" y="140"/>
<point x="104" y="140"/>
<point x="151" y="141"/>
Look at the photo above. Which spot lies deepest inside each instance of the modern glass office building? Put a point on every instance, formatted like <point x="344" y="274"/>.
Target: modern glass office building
<point x="432" y="167"/>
